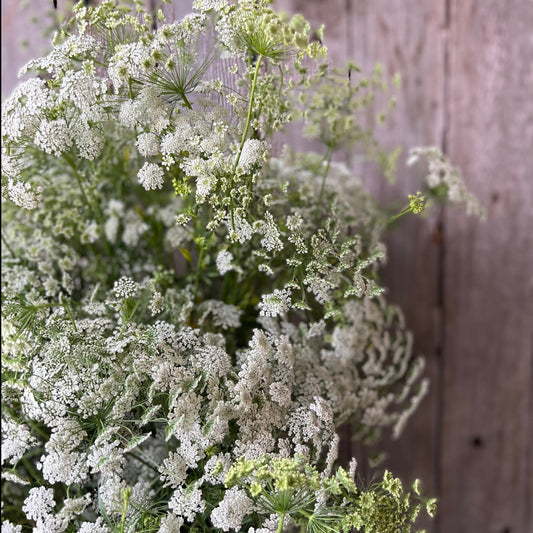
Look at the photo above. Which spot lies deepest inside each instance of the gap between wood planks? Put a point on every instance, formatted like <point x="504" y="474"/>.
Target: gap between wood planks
<point x="441" y="225"/>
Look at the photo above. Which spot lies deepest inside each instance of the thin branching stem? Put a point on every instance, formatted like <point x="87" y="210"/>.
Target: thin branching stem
<point x="198" y="270"/>
<point x="5" y="241"/>
<point x="144" y="461"/>
<point x="31" y="470"/>
<point x="325" y="175"/>
<point x="126" y="495"/>
<point x="281" y="521"/>
<point x="66" y="307"/>
<point x="246" y="128"/>
<point x="403" y="212"/>
<point x="186" y="101"/>
<point x="84" y="195"/>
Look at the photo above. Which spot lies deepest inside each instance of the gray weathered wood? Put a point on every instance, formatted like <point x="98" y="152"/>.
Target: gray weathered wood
<point x="22" y="39"/>
<point x="177" y="10"/>
<point x="409" y="38"/>
<point x="489" y="271"/>
<point x="336" y="38"/>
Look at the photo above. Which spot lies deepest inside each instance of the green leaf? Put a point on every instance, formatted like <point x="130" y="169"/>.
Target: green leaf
<point x="137" y="441"/>
<point x="186" y="254"/>
<point x="169" y="430"/>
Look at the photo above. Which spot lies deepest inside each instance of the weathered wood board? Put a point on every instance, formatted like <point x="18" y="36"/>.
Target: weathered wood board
<point x="21" y="39"/>
<point x="409" y="38"/>
<point x="488" y="272"/>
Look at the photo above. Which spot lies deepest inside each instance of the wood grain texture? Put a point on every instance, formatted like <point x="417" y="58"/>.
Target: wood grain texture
<point x="489" y="272"/>
<point x="22" y="39"/>
<point x="177" y="9"/>
<point x="409" y="38"/>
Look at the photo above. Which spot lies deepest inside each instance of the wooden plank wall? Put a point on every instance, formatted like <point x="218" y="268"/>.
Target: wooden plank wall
<point x="466" y="287"/>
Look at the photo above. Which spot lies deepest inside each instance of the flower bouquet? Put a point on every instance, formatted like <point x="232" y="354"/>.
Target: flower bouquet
<point x="190" y="308"/>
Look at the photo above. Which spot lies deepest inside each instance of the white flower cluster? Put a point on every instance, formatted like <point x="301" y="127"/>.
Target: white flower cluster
<point x="151" y="176"/>
<point x="224" y="262"/>
<point x="229" y="513"/>
<point x="252" y="154"/>
<point x="285" y="395"/>
<point x="275" y="304"/>
<point x="23" y="195"/>
<point x="125" y="288"/>
<point x="443" y="178"/>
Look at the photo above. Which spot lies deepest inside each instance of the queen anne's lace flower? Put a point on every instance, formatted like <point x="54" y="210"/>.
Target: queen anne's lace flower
<point x="253" y="152"/>
<point x="151" y="176"/>
<point x="187" y="503"/>
<point x="125" y="288"/>
<point x="53" y="137"/>
<point x="231" y="510"/>
<point x="275" y="304"/>
<point x="224" y="259"/>
<point x="171" y="524"/>
<point x="16" y="440"/>
<point x="39" y="503"/>
<point x="94" y="527"/>
<point x="148" y="144"/>
<point x="8" y="527"/>
<point x="82" y="89"/>
<point x="23" y="195"/>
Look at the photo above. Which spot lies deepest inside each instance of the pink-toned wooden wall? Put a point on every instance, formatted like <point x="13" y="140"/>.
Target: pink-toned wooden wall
<point x="466" y="287"/>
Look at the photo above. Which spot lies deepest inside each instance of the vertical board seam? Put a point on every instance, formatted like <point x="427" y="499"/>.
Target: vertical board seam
<point x="153" y="11"/>
<point x="528" y="492"/>
<point x="348" y="47"/>
<point x="446" y="65"/>
<point x="349" y="39"/>
<point x="441" y="287"/>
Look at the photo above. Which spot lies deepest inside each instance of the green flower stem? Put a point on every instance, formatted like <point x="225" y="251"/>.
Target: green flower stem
<point x="202" y="245"/>
<point x="84" y="195"/>
<point x="280" y="525"/>
<point x="129" y="318"/>
<point x="7" y="245"/>
<point x="70" y="315"/>
<point x="144" y="461"/>
<point x="246" y="128"/>
<point x="32" y="471"/>
<point x="186" y="100"/>
<point x="225" y="286"/>
<point x="416" y="206"/>
<point x="395" y="217"/>
<point x="93" y="206"/>
<point x="126" y="493"/>
<point x="250" y="109"/>
<point x="198" y="270"/>
<point x="72" y="165"/>
<point x="326" y="171"/>
<point x="37" y="429"/>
